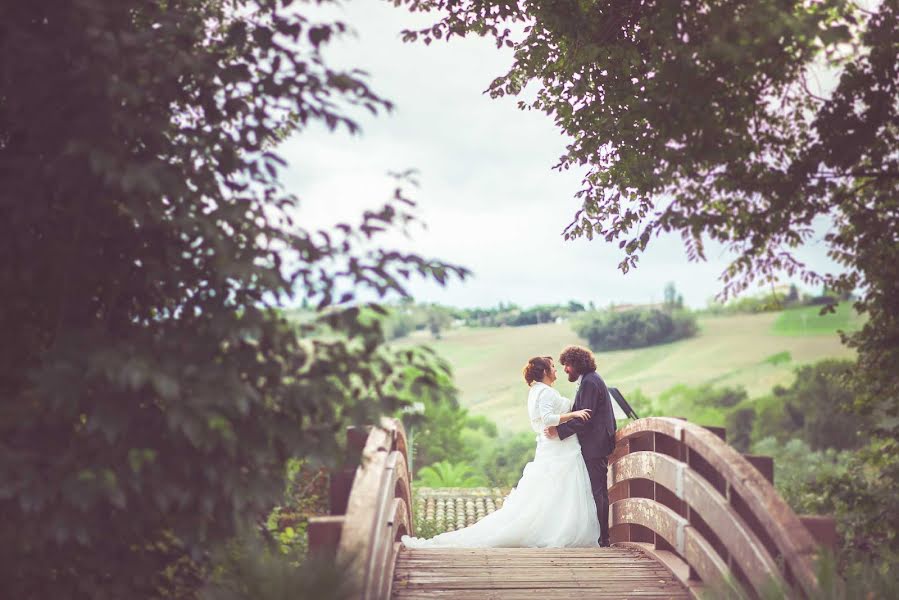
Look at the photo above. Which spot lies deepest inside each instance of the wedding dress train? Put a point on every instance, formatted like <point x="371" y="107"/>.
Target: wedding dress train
<point x="552" y="505"/>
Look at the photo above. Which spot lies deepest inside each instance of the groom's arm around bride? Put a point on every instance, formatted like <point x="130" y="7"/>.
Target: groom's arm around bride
<point x="597" y="436"/>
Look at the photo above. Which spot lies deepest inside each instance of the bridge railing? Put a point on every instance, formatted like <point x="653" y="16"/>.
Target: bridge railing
<point x="371" y="508"/>
<point x="706" y="510"/>
<point x="676" y="489"/>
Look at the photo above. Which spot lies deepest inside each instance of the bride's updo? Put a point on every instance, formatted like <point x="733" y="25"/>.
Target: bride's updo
<point x="537" y="368"/>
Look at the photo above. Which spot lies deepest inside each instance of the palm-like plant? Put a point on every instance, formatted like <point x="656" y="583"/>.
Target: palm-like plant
<point x="446" y="474"/>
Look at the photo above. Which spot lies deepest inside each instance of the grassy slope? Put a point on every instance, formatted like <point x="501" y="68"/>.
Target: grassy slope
<point x="809" y="321"/>
<point x="730" y="350"/>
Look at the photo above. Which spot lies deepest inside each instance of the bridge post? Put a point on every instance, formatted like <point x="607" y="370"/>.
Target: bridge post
<point x="669" y="446"/>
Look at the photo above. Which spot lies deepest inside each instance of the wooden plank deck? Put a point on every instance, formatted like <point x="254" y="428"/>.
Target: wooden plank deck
<point x="517" y="573"/>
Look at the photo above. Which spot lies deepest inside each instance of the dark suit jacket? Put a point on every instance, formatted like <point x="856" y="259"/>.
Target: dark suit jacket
<point x="597" y="436"/>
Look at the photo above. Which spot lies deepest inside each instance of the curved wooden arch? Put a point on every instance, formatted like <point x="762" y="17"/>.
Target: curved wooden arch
<point x="687" y="485"/>
<point x="706" y="458"/>
<point x="676" y="530"/>
<point x="378" y="512"/>
<point x="708" y="511"/>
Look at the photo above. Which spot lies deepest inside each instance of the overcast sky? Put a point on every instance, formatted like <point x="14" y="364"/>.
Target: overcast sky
<point x="487" y="191"/>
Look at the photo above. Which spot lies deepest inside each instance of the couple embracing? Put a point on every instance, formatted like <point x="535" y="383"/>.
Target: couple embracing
<point x="562" y="498"/>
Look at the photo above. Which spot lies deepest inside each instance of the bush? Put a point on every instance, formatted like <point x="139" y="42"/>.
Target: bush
<point x="635" y="328"/>
<point x="450" y="475"/>
<point x="503" y="463"/>
<point x="739" y="424"/>
<point x="152" y="388"/>
<point x="863" y="499"/>
<point x="781" y="358"/>
<point x="814" y="407"/>
<point x="799" y="471"/>
<point x="703" y="404"/>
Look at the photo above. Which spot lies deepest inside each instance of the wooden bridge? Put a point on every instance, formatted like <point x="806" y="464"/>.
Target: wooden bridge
<point x="688" y="513"/>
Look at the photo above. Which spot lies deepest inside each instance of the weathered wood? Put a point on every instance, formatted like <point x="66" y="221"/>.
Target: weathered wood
<point x="675" y="565"/>
<point x="378" y="511"/>
<point x="706" y="451"/>
<point x="324" y="535"/>
<point x="764" y="464"/>
<point x="674" y="484"/>
<point x="513" y="573"/>
<point x="356" y="542"/>
<point x="737" y="538"/>
<point x="676" y="531"/>
<point x="339" y="485"/>
<point x="823" y="530"/>
<point x="539" y="592"/>
<point x="720" y="432"/>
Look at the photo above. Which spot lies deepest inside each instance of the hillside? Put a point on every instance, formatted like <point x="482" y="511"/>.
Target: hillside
<point x="729" y="350"/>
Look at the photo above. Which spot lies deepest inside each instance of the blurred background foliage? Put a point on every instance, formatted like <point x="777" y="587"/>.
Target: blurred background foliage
<point x="154" y="390"/>
<point x="157" y="396"/>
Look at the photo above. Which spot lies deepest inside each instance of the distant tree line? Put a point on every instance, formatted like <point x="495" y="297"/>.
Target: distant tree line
<point x="777" y="301"/>
<point x="406" y="317"/>
<point x="616" y="329"/>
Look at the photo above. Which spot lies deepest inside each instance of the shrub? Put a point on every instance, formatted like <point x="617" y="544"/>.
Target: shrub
<point x="799" y="470"/>
<point x="635" y="328"/>
<point x="503" y="463"/>
<point x="780" y="358"/>
<point x="446" y="474"/>
<point x="814" y="407"/>
<point x="152" y="388"/>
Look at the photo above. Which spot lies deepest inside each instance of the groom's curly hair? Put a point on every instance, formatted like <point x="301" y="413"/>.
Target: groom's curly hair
<point x="578" y="357"/>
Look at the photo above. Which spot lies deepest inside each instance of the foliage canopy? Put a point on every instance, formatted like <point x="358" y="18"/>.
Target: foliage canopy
<point x="698" y="118"/>
<point x="152" y="389"/>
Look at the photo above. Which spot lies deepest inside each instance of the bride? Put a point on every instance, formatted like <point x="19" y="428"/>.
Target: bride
<point x="552" y="505"/>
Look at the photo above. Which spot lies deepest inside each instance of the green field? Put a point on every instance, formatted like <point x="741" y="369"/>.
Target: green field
<point x="754" y="351"/>
<point x="808" y="320"/>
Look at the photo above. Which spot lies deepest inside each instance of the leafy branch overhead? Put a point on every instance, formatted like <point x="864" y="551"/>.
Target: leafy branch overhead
<point x="153" y="388"/>
<point x="751" y="124"/>
<point x="698" y="117"/>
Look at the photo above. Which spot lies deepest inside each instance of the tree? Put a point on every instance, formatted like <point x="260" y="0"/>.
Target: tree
<point x="438" y="319"/>
<point x="699" y="119"/>
<point x="152" y="388"/>
<point x="634" y="328"/>
<point x="673" y="300"/>
<point x="816" y="408"/>
<point x="438" y="430"/>
<point x="574" y="307"/>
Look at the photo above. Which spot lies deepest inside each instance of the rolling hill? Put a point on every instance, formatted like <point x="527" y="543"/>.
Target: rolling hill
<point x="755" y="351"/>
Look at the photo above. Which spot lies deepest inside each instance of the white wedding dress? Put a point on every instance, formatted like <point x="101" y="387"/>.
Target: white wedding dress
<point x="551" y="507"/>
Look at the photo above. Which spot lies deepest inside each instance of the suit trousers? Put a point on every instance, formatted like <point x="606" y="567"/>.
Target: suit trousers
<point x="597" y="469"/>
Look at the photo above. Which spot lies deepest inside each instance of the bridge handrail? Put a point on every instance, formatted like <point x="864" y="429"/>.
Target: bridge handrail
<point x="691" y="465"/>
<point x="378" y="512"/>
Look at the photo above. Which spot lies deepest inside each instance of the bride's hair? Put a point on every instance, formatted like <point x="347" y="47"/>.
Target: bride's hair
<point x="537" y="368"/>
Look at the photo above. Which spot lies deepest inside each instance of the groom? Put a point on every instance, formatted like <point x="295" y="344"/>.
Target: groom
<point x="597" y="436"/>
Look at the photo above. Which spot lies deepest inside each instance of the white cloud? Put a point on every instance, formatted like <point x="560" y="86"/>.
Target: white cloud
<point x="488" y="194"/>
